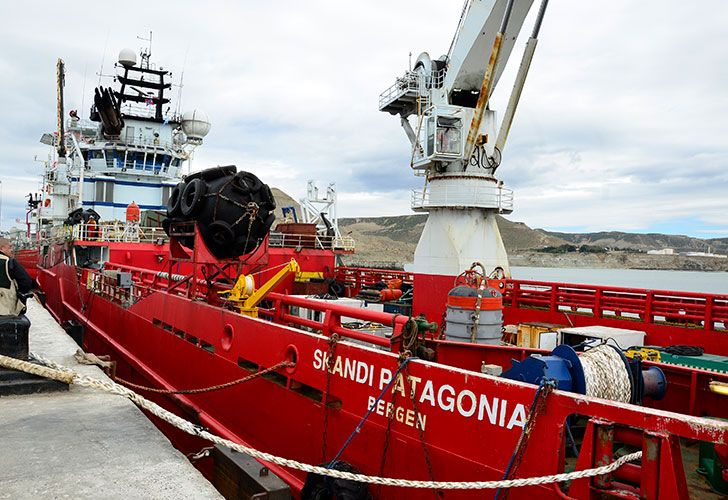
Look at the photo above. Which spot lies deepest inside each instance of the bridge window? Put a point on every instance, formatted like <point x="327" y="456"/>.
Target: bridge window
<point x="104" y="191"/>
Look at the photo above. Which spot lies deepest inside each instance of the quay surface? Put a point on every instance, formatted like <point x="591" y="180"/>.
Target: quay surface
<point x="83" y="443"/>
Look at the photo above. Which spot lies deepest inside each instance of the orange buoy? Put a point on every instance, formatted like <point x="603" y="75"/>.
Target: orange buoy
<point x="390" y="294"/>
<point x="133" y="214"/>
<point x="394" y="284"/>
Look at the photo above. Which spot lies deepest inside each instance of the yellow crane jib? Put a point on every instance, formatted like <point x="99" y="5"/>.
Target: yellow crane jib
<point x="246" y="297"/>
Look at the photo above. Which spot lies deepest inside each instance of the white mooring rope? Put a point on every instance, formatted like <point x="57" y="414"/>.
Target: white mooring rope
<point x="605" y="374"/>
<point x="55" y="371"/>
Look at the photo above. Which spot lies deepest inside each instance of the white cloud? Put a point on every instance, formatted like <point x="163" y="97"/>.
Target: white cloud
<point x="620" y="126"/>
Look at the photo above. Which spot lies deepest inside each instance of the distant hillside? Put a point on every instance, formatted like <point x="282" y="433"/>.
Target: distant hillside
<point x="644" y="242"/>
<point x="386" y="240"/>
<point x="283" y="200"/>
<point x="391" y="241"/>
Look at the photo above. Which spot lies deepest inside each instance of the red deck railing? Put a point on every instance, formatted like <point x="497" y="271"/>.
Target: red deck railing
<point x="356" y="278"/>
<point x="652" y="307"/>
<point x="147" y="282"/>
<point x="687" y="309"/>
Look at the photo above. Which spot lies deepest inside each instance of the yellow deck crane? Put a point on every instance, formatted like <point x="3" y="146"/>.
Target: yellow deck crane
<point x="246" y="297"/>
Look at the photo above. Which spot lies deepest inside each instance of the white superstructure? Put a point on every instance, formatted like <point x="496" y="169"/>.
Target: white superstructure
<point x="133" y="147"/>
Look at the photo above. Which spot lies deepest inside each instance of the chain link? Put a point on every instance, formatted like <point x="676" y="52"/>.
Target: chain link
<point x="333" y="340"/>
<point x="282" y="364"/>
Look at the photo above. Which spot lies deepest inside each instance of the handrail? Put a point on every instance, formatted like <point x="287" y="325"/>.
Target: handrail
<point x="288" y="240"/>
<point x="648" y="306"/>
<point x="106" y="232"/>
<point x="487" y="196"/>
<point x="332" y="313"/>
<point x="147" y="281"/>
<point x="356" y="278"/>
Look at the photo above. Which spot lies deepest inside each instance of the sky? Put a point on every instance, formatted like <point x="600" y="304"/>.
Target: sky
<point x="621" y="126"/>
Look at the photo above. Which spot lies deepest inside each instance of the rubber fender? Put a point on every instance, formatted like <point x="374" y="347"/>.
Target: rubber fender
<point x="174" y="205"/>
<point x="245" y="182"/>
<point x="269" y="198"/>
<point x="318" y="487"/>
<point x="211" y="174"/>
<point x="191" y="200"/>
<point x="90" y="213"/>
<point x="221" y="235"/>
<point x="268" y="222"/>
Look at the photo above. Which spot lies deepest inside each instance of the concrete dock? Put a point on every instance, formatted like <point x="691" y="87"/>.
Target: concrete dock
<point x="83" y="443"/>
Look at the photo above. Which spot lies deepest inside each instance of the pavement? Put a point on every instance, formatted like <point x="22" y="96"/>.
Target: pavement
<point x="84" y="443"/>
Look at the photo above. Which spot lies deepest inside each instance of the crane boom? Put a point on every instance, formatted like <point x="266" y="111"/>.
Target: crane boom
<point x="468" y="56"/>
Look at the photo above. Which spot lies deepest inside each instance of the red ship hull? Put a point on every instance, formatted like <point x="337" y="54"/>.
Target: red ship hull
<point x="463" y="423"/>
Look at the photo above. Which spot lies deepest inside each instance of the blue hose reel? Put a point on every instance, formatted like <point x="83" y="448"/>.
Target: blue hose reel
<point x="564" y="366"/>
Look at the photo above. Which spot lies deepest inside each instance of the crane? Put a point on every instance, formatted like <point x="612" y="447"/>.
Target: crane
<point x="245" y="296"/>
<point x="443" y="108"/>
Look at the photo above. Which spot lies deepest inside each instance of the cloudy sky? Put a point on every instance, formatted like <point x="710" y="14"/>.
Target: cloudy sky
<point x="622" y="124"/>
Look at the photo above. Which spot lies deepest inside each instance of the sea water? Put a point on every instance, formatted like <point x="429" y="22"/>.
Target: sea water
<point x="684" y="281"/>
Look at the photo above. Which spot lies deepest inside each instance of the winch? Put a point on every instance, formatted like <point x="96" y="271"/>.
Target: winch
<point x="603" y="371"/>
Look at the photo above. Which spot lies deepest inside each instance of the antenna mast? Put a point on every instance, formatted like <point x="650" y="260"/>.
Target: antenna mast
<point x="146" y="53"/>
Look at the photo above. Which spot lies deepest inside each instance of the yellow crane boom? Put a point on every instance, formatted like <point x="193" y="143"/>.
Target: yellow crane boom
<point x="246" y="297"/>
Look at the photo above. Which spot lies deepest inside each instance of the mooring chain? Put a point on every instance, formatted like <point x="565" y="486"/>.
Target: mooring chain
<point x="57" y="372"/>
<point x="537" y="407"/>
<point x="221" y="196"/>
<point x="282" y="364"/>
<point x="425" y="452"/>
<point x="387" y="432"/>
<point x="333" y="341"/>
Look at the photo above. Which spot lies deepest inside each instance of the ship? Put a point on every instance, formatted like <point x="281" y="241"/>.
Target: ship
<point x="438" y="377"/>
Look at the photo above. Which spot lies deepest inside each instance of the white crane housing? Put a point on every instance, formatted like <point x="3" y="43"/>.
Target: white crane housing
<point x="442" y="104"/>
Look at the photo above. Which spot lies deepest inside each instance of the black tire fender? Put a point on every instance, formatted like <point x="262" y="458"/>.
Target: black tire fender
<point x="221" y="235"/>
<point x="191" y="199"/>
<point x="175" y="197"/>
<point x="246" y="183"/>
<point x="319" y="487"/>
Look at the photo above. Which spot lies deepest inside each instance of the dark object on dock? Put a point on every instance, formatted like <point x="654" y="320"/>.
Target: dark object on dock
<point x="238" y="475"/>
<point x="320" y="487"/>
<point x="14" y="343"/>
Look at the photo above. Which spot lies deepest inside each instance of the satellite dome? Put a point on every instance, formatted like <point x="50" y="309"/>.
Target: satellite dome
<point x="196" y="125"/>
<point x="127" y="58"/>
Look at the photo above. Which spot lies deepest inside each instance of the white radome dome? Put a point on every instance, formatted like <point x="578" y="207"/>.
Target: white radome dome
<point x="127" y="57"/>
<point x="196" y="125"/>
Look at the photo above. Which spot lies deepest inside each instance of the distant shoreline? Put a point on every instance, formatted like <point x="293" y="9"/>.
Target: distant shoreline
<point x="618" y="260"/>
<point x="609" y="260"/>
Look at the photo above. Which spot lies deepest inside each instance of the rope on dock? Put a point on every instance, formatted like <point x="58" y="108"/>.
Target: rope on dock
<point x="55" y="371"/>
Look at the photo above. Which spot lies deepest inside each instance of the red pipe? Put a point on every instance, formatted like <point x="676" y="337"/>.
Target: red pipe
<point x="386" y="319"/>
